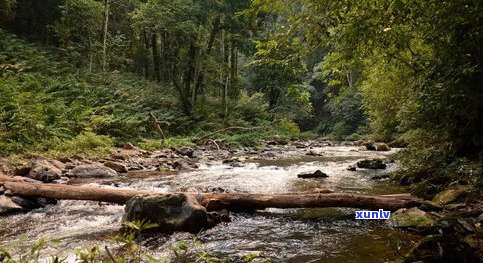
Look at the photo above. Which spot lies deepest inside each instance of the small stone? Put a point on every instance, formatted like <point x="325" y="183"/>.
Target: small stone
<point x="351" y="168"/>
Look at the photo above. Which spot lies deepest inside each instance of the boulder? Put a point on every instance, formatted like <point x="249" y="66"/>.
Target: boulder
<point x="118" y="167"/>
<point x="45" y="171"/>
<point x="316" y="174"/>
<point x="371" y="164"/>
<point x="93" y="170"/>
<point x="412" y="218"/>
<point x="170" y="212"/>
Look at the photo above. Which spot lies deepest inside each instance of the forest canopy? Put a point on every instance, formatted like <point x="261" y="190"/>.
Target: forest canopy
<point x="406" y="72"/>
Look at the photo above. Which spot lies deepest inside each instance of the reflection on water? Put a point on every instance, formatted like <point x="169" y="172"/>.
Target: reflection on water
<point x="290" y="235"/>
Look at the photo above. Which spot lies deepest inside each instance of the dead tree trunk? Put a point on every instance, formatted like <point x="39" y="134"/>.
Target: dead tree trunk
<point x="218" y="201"/>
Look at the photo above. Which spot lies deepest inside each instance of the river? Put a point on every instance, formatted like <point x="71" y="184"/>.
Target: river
<point x="290" y="235"/>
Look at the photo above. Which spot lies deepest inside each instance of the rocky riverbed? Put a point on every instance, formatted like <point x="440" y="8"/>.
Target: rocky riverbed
<point x="291" y="235"/>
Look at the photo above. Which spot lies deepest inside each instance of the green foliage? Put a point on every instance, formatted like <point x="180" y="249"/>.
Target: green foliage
<point x="43" y="104"/>
<point x="86" y="143"/>
<point x="152" y="145"/>
<point x="287" y="125"/>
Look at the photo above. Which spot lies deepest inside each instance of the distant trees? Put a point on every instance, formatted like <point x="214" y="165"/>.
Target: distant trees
<point x="417" y="65"/>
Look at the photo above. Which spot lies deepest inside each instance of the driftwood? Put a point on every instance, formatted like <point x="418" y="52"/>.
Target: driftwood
<point x="218" y="201"/>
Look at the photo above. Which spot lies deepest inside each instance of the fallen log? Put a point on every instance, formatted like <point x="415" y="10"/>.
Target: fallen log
<point x="218" y="201"/>
<point x="70" y="192"/>
<point x="237" y="201"/>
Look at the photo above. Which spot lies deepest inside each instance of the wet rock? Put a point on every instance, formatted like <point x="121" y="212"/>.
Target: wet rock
<point x="268" y="155"/>
<point x="9" y="206"/>
<point x="177" y="165"/>
<point x="24" y="202"/>
<point x="371" y="164"/>
<point x="41" y="201"/>
<point x="185" y="151"/>
<point x="45" y="171"/>
<point x="351" y="168"/>
<point x="412" y="218"/>
<point x="93" y="170"/>
<point x="380" y="146"/>
<point x="171" y="212"/>
<point x="449" y="195"/>
<point x="118" y="167"/>
<point x="316" y="174"/>
<point x="218" y="217"/>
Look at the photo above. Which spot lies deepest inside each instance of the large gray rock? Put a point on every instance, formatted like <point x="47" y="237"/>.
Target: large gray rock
<point x="93" y="170"/>
<point x="45" y="171"/>
<point x="171" y="212"/>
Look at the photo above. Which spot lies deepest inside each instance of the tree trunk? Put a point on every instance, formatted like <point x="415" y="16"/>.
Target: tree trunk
<point x="104" y="41"/>
<point x="199" y="89"/>
<point x="155" y="51"/>
<point x="218" y="201"/>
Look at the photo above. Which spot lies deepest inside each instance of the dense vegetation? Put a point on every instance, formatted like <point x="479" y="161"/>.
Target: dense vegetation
<point x="407" y="72"/>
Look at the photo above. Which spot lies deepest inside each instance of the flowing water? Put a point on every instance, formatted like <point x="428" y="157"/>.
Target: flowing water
<point x="288" y="235"/>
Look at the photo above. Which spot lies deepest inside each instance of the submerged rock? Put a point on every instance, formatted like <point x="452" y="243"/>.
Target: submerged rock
<point x="316" y="174"/>
<point x="93" y="170"/>
<point x="170" y="212"/>
<point x="371" y="164"/>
